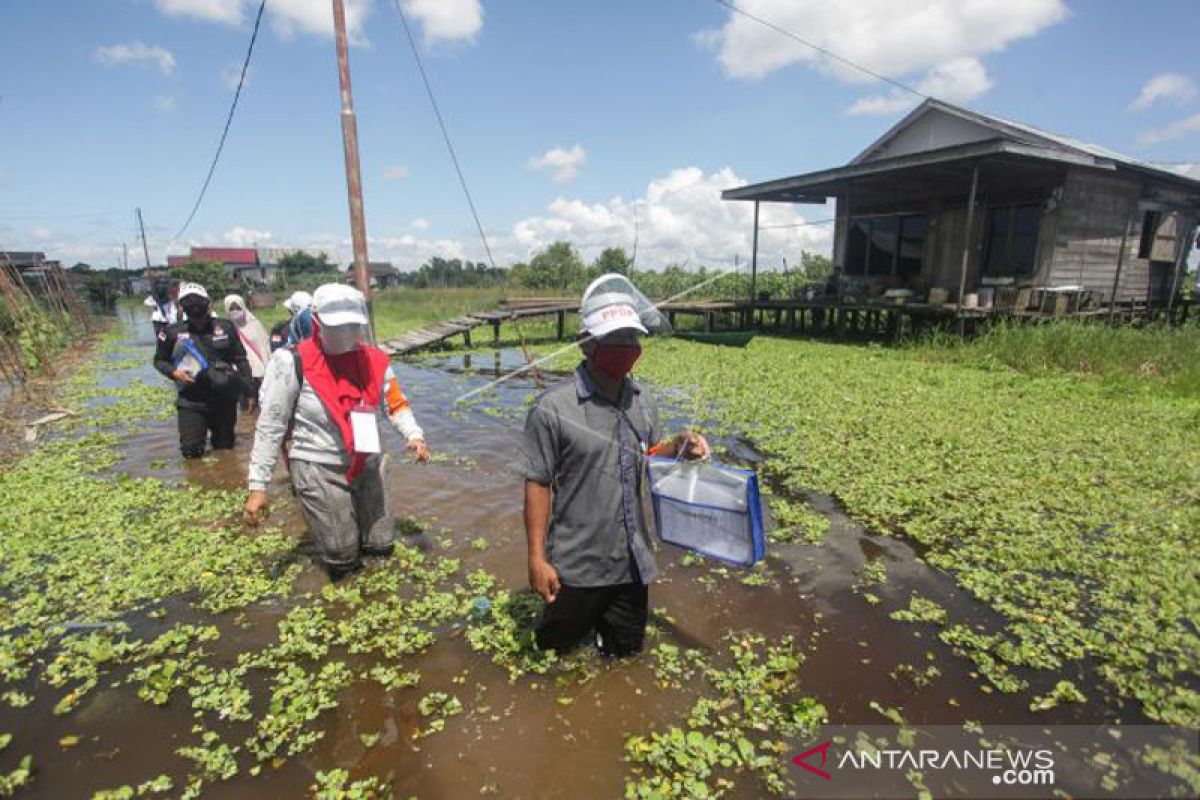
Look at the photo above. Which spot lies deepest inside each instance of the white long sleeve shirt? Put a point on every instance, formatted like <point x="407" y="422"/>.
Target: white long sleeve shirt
<point x="315" y="436"/>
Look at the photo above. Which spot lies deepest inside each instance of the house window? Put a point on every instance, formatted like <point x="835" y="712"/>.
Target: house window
<point x="856" y="247"/>
<point x="1012" y="240"/>
<point x="912" y="245"/>
<point x="1150" y="223"/>
<point x="890" y="245"/>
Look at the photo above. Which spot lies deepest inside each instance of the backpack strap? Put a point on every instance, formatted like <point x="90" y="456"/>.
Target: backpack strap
<point x="298" y="366"/>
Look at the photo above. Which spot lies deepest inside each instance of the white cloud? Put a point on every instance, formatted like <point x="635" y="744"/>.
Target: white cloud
<point x="229" y="12"/>
<point x="943" y="39"/>
<point x="420" y="224"/>
<point x="562" y="163"/>
<point x="137" y="53"/>
<point x="681" y="216"/>
<point x="957" y="81"/>
<point x="1168" y="86"/>
<point x="165" y="102"/>
<point x="395" y="172"/>
<point x="447" y="20"/>
<point x="316" y="16"/>
<point x="289" y="17"/>
<point x="1168" y="133"/>
<point x="246" y="237"/>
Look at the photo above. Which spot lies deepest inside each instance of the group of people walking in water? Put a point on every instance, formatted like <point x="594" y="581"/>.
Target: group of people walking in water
<point x="320" y="390"/>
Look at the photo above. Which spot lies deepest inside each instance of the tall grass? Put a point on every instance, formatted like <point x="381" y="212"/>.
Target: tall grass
<point x="1153" y="356"/>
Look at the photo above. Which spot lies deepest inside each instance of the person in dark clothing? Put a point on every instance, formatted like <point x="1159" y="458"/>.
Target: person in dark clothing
<point x="207" y="361"/>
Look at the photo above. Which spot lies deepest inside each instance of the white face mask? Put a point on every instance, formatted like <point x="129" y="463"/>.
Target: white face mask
<point x="338" y="339"/>
<point x="238" y="315"/>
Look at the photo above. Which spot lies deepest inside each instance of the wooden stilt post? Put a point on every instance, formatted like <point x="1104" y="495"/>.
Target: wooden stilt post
<point x="966" y="256"/>
<point x="1116" y="287"/>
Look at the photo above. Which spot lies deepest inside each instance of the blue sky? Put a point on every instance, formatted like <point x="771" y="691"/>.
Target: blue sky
<point x="648" y="109"/>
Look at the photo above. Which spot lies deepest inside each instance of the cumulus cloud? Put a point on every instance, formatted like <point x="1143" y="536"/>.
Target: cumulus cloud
<point x="165" y="102"/>
<point x="395" y="172"/>
<point x="420" y="224"/>
<point x="447" y="20"/>
<point x="562" y="163"/>
<point x="229" y="12"/>
<point x="1169" y="133"/>
<point x="1167" y="86"/>
<point x="288" y="16"/>
<point x="137" y="53"/>
<point x="940" y="40"/>
<point x="680" y="217"/>
<point x="246" y="237"/>
<point x="957" y="81"/>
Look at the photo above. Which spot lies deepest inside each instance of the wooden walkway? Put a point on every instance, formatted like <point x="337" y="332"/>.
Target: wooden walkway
<point x="411" y="342"/>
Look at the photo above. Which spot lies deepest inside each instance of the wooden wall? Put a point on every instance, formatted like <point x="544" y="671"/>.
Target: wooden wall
<point x="1091" y="218"/>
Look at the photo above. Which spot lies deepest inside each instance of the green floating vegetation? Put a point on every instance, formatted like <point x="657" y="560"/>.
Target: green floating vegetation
<point x="1069" y="505"/>
<point x="735" y="732"/>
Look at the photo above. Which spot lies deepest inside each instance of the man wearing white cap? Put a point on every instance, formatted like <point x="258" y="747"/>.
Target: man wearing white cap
<point x="328" y="391"/>
<point x="205" y="358"/>
<point x="583" y="461"/>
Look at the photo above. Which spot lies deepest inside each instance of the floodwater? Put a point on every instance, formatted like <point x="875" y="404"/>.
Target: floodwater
<point x="519" y="738"/>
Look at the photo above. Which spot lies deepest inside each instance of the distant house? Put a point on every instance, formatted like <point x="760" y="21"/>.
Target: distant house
<point x="382" y="274"/>
<point x="952" y="198"/>
<point x="241" y="263"/>
<point x="26" y="260"/>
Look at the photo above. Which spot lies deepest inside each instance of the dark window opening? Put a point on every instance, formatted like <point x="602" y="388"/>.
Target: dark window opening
<point x="1150" y="222"/>
<point x="892" y="245"/>
<point x="912" y="245"/>
<point x="1012" y="241"/>
<point x="856" y="247"/>
<point x="883" y="246"/>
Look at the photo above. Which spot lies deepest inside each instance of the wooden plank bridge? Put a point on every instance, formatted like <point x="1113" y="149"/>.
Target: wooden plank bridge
<point x="411" y="342"/>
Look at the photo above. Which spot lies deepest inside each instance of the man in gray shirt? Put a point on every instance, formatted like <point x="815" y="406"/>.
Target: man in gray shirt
<point x="583" y="456"/>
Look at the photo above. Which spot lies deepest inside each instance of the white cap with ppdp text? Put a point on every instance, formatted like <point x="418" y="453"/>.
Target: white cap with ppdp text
<point x="612" y="302"/>
<point x="189" y="289"/>
<point x="338" y="304"/>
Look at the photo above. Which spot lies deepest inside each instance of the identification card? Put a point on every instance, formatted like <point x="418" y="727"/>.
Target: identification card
<point x="364" y="424"/>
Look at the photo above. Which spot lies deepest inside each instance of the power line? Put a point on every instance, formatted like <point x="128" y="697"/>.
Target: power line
<point x="228" y="121"/>
<point x="445" y="134"/>
<point x="823" y="51"/>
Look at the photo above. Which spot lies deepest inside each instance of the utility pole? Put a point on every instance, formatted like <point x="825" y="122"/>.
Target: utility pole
<point x="358" y="225"/>
<point x="145" y="248"/>
<point x="124" y="256"/>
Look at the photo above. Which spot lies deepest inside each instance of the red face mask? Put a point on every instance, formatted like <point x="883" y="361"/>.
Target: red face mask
<point x="615" y="360"/>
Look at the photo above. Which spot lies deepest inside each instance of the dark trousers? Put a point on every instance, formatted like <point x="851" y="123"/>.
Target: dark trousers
<point x="617" y="613"/>
<point x="197" y="420"/>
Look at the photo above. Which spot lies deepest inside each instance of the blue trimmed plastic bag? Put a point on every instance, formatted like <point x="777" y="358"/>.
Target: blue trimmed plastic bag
<point x="189" y="357"/>
<point x="708" y="508"/>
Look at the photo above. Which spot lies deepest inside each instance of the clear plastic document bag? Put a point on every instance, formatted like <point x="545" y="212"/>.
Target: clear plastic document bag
<point x="714" y="510"/>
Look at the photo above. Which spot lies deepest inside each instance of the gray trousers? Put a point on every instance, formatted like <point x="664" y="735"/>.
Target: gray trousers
<point x="347" y="519"/>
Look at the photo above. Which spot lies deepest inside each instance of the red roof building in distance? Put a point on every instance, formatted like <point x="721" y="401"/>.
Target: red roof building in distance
<point x="178" y="261"/>
<point x="225" y="255"/>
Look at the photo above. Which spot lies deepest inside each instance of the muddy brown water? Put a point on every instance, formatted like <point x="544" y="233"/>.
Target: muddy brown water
<point x="518" y="737"/>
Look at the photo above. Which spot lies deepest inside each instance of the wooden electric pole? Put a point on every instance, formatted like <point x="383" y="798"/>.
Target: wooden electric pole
<point x="145" y="248"/>
<point x="358" y="225"/>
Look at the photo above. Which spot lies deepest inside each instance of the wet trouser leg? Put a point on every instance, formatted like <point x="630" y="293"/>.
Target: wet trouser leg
<point x="346" y="518"/>
<point x="222" y="417"/>
<point x="193" y="430"/>
<point x="617" y="613"/>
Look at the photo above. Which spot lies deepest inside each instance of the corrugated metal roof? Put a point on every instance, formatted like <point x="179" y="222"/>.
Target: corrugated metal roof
<point x="226" y="255"/>
<point x="1025" y="132"/>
